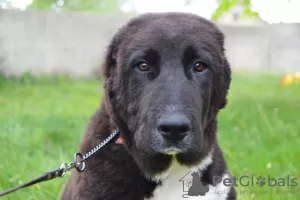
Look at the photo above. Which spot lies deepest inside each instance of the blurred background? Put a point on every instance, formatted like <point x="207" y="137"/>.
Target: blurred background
<point x="50" y="84"/>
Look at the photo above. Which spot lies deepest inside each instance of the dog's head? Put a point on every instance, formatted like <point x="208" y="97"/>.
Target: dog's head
<point x="166" y="78"/>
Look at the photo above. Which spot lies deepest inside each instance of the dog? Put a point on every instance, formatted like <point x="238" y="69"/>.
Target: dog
<point x="166" y="78"/>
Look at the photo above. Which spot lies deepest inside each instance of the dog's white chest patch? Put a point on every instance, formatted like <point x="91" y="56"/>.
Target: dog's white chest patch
<point x="184" y="183"/>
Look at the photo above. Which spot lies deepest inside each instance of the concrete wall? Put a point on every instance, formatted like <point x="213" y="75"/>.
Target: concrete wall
<point x="74" y="44"/>
<point x="268" y="48"/>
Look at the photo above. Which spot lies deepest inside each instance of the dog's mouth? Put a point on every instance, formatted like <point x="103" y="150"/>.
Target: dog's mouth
<point x="154" y="151"/>
<point x="171" y="151"/>
<point x="160" y="147"/>
<point x="151" y="143"/>
<point x="158" y="158"/>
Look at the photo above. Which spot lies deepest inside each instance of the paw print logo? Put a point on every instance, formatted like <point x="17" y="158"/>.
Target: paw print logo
<point x="261" y="181"/>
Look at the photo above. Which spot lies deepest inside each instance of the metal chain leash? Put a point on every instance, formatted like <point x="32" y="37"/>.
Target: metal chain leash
<point x="80" y="165"/>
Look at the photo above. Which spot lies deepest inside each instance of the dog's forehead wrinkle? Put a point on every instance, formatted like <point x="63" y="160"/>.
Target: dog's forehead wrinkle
<point x="154" y="39"/>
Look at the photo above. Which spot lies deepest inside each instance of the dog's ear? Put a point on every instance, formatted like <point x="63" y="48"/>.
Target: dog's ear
<point x="227" y="69"/>
<point x="111" y="85"/>
<point x="110" y="61"/>
<point x="227" y="81"/>
<point x="109" y="69"/>
<point x="110" y="65"/>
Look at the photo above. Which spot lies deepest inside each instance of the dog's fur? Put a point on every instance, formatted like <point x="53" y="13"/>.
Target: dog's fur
<point x="135" y="102"/>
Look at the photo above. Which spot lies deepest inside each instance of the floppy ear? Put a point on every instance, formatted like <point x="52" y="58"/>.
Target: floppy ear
<point x="227" y="69"/>
<point x="110" y="74"/>
<point x="227" y="81"/>
<point x="110" y="58"/>
<point x="110" y="65"/>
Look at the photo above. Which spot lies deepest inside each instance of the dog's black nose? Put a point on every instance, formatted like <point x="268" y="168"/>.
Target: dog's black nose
<point x="174" y="127"/>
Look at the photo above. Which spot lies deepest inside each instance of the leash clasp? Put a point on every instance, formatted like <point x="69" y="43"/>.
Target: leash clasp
<point x="79" y="165"/>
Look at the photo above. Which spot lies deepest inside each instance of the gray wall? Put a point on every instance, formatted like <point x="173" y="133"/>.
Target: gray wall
<point x="274" y="48"/>
<point x="74" y="44"/>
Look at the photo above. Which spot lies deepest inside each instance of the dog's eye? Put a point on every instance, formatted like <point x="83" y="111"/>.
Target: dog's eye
<point x="199" y="66"/>
<point x="143" y="66"/>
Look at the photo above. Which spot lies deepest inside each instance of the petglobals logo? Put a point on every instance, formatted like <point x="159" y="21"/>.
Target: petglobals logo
<point x="262" y="181"/>
<point x="192" y="185"/>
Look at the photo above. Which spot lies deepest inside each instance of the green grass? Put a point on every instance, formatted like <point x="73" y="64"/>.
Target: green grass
<point x="42" y="121"/>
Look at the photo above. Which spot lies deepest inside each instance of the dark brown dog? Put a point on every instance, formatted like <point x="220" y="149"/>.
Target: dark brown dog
<point x="166" y="78"/>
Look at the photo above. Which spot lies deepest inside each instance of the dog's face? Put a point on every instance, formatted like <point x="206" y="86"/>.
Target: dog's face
<point x="167" y="77"/>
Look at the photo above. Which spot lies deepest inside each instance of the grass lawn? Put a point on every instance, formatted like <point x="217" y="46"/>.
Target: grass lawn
<point x="42" y="120"/>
